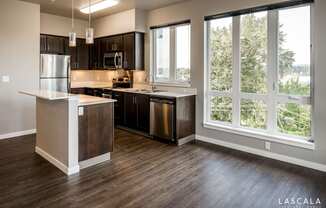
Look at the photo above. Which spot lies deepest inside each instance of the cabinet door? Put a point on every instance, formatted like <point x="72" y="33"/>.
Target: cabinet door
<point x="129" y="51"/>
<point x="77" y="90"/>
<point x="55" y="45"/>
<point x="97" y="54"/>
<point x="133" y="47"/>
<point x="142" y="102"/>
<point x="82" y="54"/>
<point x="118" y="108"/>
<point x="96" y="131"/>
<point x="139" y="52"/>
<point x="130" y="109"/>
<point x="43" y="44"/>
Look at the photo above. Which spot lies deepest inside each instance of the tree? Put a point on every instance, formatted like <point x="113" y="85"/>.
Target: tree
<point x="253" y="52"/>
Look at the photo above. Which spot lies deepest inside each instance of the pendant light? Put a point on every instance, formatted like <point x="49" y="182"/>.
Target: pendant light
<point x="72" y="35"/>
<point x="89" y="30"/>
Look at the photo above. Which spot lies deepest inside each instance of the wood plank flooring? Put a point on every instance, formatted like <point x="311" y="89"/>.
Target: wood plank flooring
<point x="147" y="173"/>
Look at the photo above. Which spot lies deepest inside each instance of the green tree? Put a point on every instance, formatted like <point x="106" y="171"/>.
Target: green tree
<point x="292" y="118"/>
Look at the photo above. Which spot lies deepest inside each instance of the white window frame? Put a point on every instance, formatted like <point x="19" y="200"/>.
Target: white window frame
<point x="271" y="133"/>
<point x="173" y="56"/>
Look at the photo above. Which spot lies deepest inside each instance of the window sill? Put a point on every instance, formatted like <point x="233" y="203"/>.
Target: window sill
<point x="262" y="136"/>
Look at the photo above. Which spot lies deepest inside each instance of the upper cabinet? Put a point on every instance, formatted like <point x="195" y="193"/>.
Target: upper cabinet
<point x="113" y="43"/>
<point x="52" y="44"/>
<point x="85" y="56"/>
<point x="133" y="47"/>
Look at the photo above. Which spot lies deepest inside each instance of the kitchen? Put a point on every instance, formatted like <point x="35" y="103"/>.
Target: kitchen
<point x="162" y="98"/>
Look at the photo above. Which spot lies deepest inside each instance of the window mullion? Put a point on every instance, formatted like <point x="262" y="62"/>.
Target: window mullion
<point x="236" y="71"/>
<point x="172" y="53"/>
<point x="272" y="70"/>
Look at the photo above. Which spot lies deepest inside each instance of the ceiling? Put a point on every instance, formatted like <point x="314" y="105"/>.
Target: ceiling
<point x="63" y="7"/>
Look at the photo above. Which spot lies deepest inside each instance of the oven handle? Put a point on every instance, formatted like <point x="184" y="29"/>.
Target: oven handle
<point x="115" y="60"/>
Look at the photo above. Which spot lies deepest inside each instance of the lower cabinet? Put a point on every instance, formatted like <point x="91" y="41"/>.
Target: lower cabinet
<point x="118" y="107"/>
<point x="77" y="90"/>
<point x="95" y="130"/>
<point x="136" y="111"/>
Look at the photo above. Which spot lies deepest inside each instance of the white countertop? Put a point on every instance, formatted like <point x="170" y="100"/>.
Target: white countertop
<point x="83" y="100"/>
<point x="49" y="95"/>
<point x="160" y="93"/>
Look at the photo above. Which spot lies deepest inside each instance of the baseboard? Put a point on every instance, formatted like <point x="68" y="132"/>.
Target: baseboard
<point x="272" y="155"/>
<point x="17" y="134"/>
<point x="57" y="163"/>
<point x="94" y="161"/>
<point x="186" y="140"/>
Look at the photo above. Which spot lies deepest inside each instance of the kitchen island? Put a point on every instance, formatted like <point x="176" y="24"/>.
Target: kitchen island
<point x="73" y="131"/>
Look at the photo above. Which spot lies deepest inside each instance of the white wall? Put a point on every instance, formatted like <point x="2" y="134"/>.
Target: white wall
<point x="61" y="26"/>
<point x="123" y="22"/>
<point x="196" y="10"/>
<point x="19" y="59"/>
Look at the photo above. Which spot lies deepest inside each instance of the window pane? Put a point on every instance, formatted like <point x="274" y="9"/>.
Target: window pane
<point x="294" y="119"/>
<point x="183" y="53"/>
<point x="162" y="53"/>
<point x="253" y="114"/>
<point x="253" y="49"/>
<point x="220" y="46"/>
<point x="221" y="109"/>
<point x="294" y="51"/>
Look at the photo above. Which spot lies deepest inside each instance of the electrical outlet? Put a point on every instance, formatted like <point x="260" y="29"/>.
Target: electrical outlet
<point x="268" y="146"/>
<point x="80" y="111"/>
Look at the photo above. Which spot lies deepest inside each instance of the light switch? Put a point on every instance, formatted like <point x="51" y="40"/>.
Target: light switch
<point x="5" y="78"/>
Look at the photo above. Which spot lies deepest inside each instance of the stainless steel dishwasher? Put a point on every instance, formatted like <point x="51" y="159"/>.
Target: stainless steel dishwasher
<point x="162" y="118"/>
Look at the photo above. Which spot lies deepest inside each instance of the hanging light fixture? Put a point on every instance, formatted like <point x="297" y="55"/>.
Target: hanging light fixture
<point x="72" y="35"/>
<point x="89" y="30"/>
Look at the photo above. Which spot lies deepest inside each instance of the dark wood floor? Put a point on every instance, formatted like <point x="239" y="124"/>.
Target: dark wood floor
<point x="146" y="173"/>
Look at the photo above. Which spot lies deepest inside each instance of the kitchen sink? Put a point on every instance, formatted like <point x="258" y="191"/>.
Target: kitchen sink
<point x="145" y="90"/>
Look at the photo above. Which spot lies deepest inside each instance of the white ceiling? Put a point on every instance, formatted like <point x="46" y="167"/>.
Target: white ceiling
<point x="63" y="7"/>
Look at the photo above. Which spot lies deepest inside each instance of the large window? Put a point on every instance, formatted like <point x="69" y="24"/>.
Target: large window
<point x="171" y="54"/>
<point x="259" y="72"/>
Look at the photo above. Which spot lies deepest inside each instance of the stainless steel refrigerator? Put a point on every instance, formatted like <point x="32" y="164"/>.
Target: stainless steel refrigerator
<point x="55" y="72"/>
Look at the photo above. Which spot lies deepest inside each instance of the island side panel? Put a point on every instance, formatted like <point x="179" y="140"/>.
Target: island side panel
<point x="52" y="128"/>
<point x="96" y="130"/>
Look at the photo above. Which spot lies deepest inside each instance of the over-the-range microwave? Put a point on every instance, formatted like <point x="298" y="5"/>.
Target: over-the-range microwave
<point x="113" y="60"/>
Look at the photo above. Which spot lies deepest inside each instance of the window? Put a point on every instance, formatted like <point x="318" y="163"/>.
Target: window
<point x="258" y="72"/>
<point x="171" y="54"/>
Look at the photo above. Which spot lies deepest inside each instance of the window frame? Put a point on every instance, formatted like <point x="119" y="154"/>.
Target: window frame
<point x="172" y="81"/>
<point x="272" y="98"/>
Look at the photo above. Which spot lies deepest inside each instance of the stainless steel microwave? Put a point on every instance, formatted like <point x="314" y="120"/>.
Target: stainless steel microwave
<point x="113" y="60"/>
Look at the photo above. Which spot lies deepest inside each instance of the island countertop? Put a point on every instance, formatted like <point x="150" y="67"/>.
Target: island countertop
<point x="83" y="100"/>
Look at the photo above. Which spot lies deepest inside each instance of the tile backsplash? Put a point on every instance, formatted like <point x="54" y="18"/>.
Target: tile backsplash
<point x="105" y="75"/>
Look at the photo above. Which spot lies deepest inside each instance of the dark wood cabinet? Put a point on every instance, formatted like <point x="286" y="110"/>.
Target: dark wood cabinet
<point x="118" y="107"/>
<point x="85" y="56"/>
<point x="96" y="131"/>
<point x="136" y="111"/>
<point x="113" y="43"/>
<point x="82" y="54"/>
<point x="43" y="47"/>
<point x="142" y="102"/>
<point x="50" y="44"/>
<point x="96" y="54"/>
<point x="130" y="110"/>
<point x="133" y="47"/>
<point x="77" y="90"/>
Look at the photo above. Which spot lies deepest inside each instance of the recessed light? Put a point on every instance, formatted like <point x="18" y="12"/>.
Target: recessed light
<point x="99" y="6"/>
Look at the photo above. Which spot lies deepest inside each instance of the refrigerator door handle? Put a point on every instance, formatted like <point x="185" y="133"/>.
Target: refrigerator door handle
<point x="41" y="64"/>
